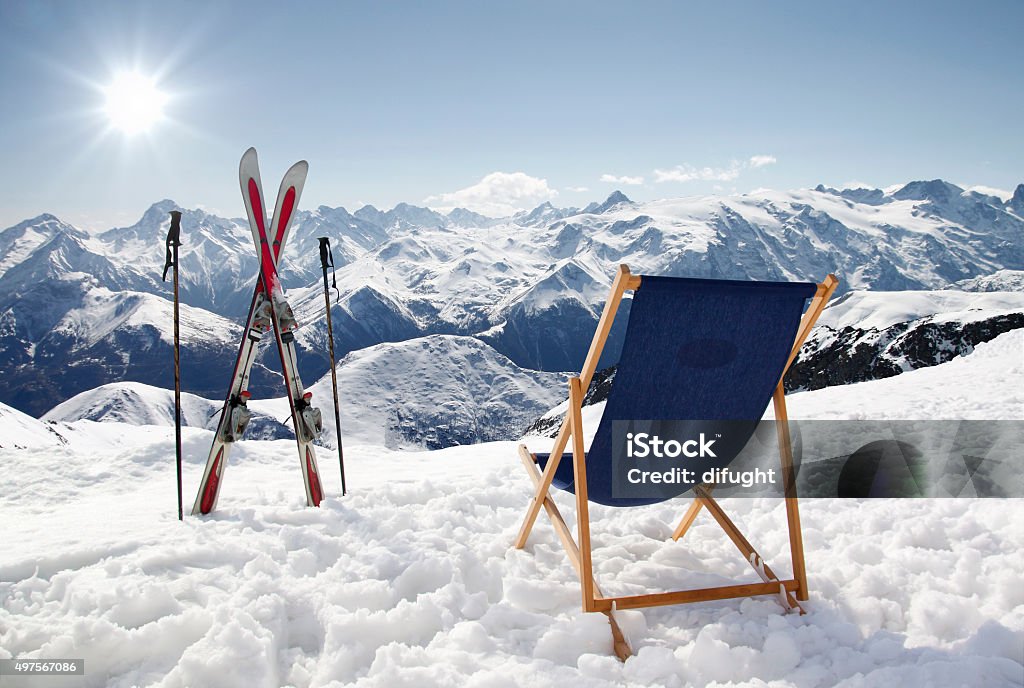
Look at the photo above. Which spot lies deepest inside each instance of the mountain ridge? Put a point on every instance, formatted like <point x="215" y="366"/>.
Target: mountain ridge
<point x="531" y="285"/>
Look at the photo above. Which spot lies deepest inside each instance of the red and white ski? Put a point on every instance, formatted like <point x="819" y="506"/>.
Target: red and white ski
<point x="269" y="310"/>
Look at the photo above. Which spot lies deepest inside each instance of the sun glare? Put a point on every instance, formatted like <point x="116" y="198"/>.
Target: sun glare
<point x="134" y="103"/>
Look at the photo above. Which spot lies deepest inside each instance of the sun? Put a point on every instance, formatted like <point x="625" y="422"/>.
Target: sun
<point x="134" y="103"/>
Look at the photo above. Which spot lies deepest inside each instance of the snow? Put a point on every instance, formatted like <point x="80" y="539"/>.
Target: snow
<point x="410" y="579"/>
<point x="1000" y="280"/>
<point x="103" y="312"/>
<point x="987" y="384"/>
<point x="20" y="430"/>
<point x="413" y="394"/>
<point x="19" y="242"/>
<point x="881" y="309"/>
<point x="134" y="403"/>
<point x="438" y="388"/>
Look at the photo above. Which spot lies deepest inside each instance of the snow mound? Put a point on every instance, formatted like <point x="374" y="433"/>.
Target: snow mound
<point x="19" y="431"/>
<point x="435" y="391"/>
<point x="1001" y="280"/>
<point x="134" y="403"/>
<point x="987" y="384"/>
<point x="878" y="310"/>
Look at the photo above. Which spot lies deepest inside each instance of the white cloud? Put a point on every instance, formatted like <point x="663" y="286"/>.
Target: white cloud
<point x="577" y="189"/>
<point x="689" y="173"/>
<point x="498" y="194"/>
<point x="855" y="184"/>
<point x="631" y="181"/>
<point x="1001" y="194"/>
<point x="762" y="160"/>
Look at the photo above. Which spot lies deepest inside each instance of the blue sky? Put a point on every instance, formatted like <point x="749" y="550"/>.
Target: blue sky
<point x="500" y="105"/>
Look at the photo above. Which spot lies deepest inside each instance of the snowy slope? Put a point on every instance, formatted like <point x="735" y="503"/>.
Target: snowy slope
<point x="1000" y="280"/>
<point x="411" y="580"/>
<point x="19" y="430"/>
<point x="135" y="403"/>
<point x="866" y="335"/>
<point x="986" y="384"/>
<point x="434" y="392"/>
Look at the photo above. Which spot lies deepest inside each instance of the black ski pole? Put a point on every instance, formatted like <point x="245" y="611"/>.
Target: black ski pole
<point x="327" y="259"/>
<point x="173" y="242"/>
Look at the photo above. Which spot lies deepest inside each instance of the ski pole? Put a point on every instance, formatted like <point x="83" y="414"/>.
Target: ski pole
<point x="327" y="259"/>
<point x="171" y="260"/>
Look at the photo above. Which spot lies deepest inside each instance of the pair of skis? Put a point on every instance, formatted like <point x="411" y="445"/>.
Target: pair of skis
<point x="268" y="311"/>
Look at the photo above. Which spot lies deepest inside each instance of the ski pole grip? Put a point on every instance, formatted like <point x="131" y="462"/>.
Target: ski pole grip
<point x="173" y="240"/>
<point x="324" y="248"/>
<point x="327" y="260"/>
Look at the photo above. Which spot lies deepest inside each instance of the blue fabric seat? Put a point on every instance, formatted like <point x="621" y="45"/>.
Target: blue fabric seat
<point x="695" y="349"/>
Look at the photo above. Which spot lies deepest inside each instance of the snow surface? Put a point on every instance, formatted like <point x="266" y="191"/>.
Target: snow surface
<point x="410" y="580"/>
<point x="878" y="310"/>
<point x="1000" y="280"/>
<point x="20" y="430"/>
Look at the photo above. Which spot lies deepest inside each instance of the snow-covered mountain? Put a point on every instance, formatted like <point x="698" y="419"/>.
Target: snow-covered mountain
<point x="865" y="335"/>
<point x="65" y="336"/>
<point x="430" y="392"/>
<point x="135" y="403"/>
<point x="531" y="285"/>
<point x="1001" y="280"/>
<point x="435" y="391"/>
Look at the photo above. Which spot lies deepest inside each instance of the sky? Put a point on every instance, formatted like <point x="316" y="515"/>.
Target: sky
<point x="500" y="106"/>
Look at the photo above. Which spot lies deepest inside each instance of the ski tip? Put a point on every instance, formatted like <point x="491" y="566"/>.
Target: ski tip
<point x="301" y="167"/>
<point x="248" y="159"/>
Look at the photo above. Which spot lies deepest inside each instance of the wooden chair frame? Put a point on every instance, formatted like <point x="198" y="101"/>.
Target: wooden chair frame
<point x="791" y="591"/>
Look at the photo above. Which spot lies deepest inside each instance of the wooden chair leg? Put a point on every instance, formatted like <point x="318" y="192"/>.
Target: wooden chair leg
<point x="691" y="514"/>
<point x="620" y="646"/>
<point x="619" y="643"/>
<point x="688" y="518"/>
<point x="796" y="539"/>
<point x="552" y="509"/>
<point x="579" y="464"/>
<point x="542" y="488"/>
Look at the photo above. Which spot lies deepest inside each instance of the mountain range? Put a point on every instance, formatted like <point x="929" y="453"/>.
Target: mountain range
<point x="81" y="309"/>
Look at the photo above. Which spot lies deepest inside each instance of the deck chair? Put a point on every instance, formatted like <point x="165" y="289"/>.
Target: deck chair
<point x="693" y="349"/>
